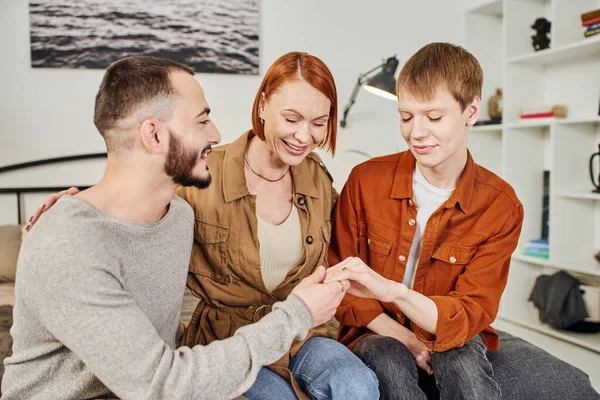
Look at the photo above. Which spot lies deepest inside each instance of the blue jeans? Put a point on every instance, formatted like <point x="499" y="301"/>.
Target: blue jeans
<point x="324" y="369"/>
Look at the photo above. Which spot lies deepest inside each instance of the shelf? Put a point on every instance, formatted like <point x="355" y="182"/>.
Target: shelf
<point x="588" y="267"/>
<point x="534" y="123"/>
<point x="587" y="47"/>
<point x="486" y="128"/>
<point x="569" y="121"/>
<point x="534" y="260"/>
<point x="588" y="341"/>
<point x="490" y="7"/>
<point x="581" y="195"/>
<point x="546" y="122"/>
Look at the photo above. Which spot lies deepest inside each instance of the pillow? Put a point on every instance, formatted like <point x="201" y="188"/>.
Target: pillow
<point x="10" y="244"/>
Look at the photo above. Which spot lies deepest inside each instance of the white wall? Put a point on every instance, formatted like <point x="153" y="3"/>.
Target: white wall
<point x="48" y="112"/>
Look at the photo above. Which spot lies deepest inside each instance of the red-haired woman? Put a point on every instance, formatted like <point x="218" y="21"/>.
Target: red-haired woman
<point x="264" y="224"/>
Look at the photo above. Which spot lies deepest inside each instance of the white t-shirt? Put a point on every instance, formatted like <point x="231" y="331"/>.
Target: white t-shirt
<point x="428" y="199"/>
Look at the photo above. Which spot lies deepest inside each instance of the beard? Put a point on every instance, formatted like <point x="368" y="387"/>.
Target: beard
<point x="181" y="162"/>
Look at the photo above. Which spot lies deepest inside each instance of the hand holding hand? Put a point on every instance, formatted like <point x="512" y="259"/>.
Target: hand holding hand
<point x="322" y="299"/>
<point x="364" y="282"/>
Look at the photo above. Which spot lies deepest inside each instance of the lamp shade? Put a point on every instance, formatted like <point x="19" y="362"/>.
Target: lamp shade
<point x="384" y="84"/>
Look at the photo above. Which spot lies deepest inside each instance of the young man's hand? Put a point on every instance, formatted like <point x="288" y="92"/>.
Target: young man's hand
<point x="364" y="282"/>
<point x="419" y="350"/>
<point x="322" y="299"/>
<point x="50" y="200"/>
<point x="384" y="325"/>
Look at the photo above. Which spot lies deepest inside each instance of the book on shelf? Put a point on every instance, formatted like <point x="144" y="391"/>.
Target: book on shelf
<point x="589" y="22"/>
<point x="543" y="112"/>
<point x="495" y="121"/>
<point x="593" y="26"/>
<point x="545" y="209"/>
<point x="539" y="248"/>
<point x="590" y="14"/>
<point x="537" y="115"/>
<point x="536" y="255"/>
<point x="589" y="33"/>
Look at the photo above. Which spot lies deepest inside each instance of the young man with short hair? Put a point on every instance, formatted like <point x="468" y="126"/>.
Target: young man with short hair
<point x="439" y="229"/>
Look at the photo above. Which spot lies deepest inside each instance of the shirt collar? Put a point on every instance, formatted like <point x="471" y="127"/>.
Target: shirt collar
<point x="234" y="178"/>
<point x="462" y="195"/>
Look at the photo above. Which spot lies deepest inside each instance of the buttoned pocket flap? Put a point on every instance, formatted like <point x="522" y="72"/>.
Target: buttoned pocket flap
<point x="378" y="244"/>
<point x="210" y="233"/>
<point x="454" y="254"/>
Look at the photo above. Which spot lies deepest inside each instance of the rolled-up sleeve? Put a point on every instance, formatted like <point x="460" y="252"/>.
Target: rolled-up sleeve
<point x="473" y="305"/>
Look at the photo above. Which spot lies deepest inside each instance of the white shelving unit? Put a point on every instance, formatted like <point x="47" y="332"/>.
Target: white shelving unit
<point x="498" y="33"/>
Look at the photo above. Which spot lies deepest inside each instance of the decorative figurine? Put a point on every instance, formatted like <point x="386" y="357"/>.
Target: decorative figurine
<point x="542" y="28"/>
<point x="495" y="106"/>
<point x="596" y="185"/>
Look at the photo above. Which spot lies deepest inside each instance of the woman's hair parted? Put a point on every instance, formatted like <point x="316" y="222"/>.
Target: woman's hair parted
<point x="295" y="66"/>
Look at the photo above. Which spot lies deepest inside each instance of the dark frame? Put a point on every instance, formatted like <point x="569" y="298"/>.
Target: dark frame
<point x="19" y="191"/>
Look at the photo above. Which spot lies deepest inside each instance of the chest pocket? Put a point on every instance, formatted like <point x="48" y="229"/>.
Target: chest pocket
<point x="209" y="256"/>
<point x="379" y="249"/>
<point x="453" y="255"/>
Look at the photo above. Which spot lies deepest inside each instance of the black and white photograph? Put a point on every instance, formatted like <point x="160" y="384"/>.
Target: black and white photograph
<point x="206" y="35"/>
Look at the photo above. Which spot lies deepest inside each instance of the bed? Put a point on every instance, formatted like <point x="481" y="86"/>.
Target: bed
<point x="11" y="236"/>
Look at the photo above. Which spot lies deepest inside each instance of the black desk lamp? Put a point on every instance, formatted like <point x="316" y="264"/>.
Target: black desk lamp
<point x="382" y="84"/>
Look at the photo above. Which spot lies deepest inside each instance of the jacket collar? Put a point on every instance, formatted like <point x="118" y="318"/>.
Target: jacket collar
<point x="402" y="187"/>
<point x="234" y="179"/>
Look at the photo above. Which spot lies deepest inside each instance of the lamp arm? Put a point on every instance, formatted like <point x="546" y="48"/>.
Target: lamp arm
<point x="362" y="78"/>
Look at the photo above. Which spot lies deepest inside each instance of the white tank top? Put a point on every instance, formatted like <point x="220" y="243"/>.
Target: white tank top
<point x="281" y="248"/>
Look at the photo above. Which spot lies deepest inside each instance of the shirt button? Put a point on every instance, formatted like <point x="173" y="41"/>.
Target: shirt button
<point x="368" y="240"/>
<point x="410" y="202"/>
<point x="301" y="201"/>
<point x="309" y="239"/>
<point x="452" y="259"/>
<point x="402" y="258"/>
<point x="411" y="222"/>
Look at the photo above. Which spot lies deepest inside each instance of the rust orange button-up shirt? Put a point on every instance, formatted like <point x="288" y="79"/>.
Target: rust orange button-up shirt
<point x="465" y="253"/>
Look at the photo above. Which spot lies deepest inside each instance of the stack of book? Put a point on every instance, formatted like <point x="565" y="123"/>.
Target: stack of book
<point x="538" y="248"/>
<point x="591" y="22"/>
<point x="543" y="112"/>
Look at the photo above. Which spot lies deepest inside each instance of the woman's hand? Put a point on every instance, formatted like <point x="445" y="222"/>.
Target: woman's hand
<point x="50" y="200"/>
<point x="364" y="282"/>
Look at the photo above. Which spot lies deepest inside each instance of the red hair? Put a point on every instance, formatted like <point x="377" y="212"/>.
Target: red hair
<point x="299" y="66"/>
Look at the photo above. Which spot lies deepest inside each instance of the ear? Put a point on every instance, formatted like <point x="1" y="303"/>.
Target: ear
<point x="261" y="105"/>
<point x="473" y="110"/>
<point x="154" y="136"/>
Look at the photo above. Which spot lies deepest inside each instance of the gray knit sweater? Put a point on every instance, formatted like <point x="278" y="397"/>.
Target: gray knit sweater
<point x="97" y="314"/>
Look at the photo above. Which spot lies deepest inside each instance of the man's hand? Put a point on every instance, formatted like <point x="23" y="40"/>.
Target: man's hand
<point x="322" y="299"/>
<point x="50" y="200"/>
